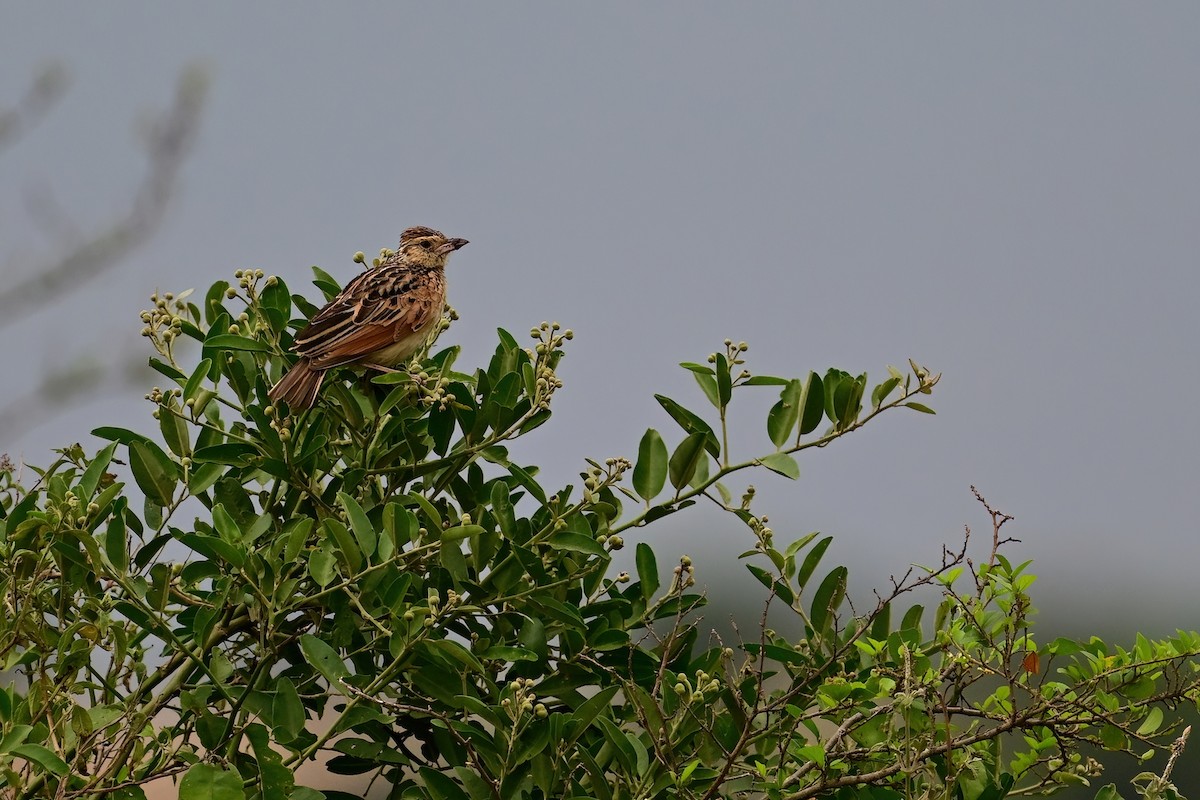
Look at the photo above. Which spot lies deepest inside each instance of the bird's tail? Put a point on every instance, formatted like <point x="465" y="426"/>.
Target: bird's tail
<point x="299" y="386"/>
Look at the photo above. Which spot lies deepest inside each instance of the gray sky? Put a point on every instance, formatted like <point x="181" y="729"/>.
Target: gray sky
<point x="1007" y="193"/>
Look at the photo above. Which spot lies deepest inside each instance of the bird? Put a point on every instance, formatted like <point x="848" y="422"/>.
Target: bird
<point x="377" y="321"/>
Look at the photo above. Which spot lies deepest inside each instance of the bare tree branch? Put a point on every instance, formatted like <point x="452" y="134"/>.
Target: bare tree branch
<point x="47" y="89"/>
<point x="68" y="387"/>
<point x="169" y="139"/>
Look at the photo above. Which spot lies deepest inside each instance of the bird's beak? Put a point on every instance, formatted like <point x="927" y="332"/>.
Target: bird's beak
<point x="452" y="245"/>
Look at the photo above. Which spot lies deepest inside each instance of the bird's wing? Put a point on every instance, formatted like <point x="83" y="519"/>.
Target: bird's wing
<point x="376" y="309"/>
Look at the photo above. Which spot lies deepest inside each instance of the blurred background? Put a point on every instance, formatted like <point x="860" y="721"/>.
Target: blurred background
<point x="1007" y="194"/>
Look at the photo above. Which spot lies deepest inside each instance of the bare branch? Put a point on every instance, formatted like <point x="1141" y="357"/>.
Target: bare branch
<point x="169" y="139"/>
<point x="47" y="89"/>
<point x="68" y="387"/>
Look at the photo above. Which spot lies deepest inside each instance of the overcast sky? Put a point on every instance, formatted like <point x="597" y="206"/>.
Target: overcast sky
<point x="1007" y="193"/>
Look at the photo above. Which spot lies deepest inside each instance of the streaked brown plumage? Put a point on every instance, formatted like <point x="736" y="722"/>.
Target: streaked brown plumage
<point x="379" y="320"/>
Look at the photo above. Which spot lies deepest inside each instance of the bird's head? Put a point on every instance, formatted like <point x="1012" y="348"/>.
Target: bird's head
<point x="425" y="247"/>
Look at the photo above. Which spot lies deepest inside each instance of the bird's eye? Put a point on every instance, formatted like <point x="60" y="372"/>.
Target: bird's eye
<point x="428" y="245"/>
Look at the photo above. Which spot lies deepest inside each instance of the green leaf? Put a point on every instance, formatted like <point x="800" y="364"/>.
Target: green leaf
<point x="650" y="472"/>
<point x="708" y="385"/>
<point x="275" y="297"/>
<point x="231" y="341"/>
<point x="532" y="637"/>
<point x="459" y="532"/>
<point x="502" y="509"/>
<point x="783" y="416"/>
<point x="174" y="429"/>
<point x="452" y="558"/>
<point x="203" y="476"/>
<point x="525" y="478"/>
<point x="324" y="659"/>
<point x="686" y="458"/>
<point x="441" y="786"/>
<point x="588" y="711"/>
<point x="576" y="542"/>
<point x="275" y="779"/>
<point x="167" y="370"/>
<point x="325" y="282"/>
<point x="509" y="654"/>
<point x="215" y="548"/>
<point x="44" y="757"/>
<point x="828" y="599"/>
<point x="691" y="423"/>
<point x="880" y="392"/>
<point x="338" y="534"/>
<point x="90" y="479"/>
<point x="454" y="654"/>
<point x="647" y="570"/>
<point x="622" y="744"/>
<point x="700" y="476"/>
<point x="363" y="530"/>
<point x="1113" y="738"/>
<point x="16" y="735"/>
<point x="153" y="470"/>
<point x="122" y="435"/>
<point x="843" y="396"/>
<point x="699" y="369"/>
<point x="1152" y="722"/>
<point x="194" y="383"/>
<point x="533" y="741"/>
<point x="724" y="381"/>
<point x="924" y="409"/>
<point x="477" y="788"/>
<point x="771" y="582"/>
<point x="912" y="618"/>
<point x="212" y="301"/>
<point x="225" y="524"/>
<point x="287" y="711"/>
<point x="305" y="793"/>
<point x="812" y="404"/>
<point x="229" y="453"/>
<point x="322" y="566"/>
<point x="782" y="463"/>
<point x="391" y="378"/>
<point x="103" y="716"/>
<point x="811" y="560"/>
<point x="116" y="544"/>
<point x="208" y="782"/>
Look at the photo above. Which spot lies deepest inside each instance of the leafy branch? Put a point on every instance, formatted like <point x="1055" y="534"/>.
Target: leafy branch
<point x="383" y="565"/>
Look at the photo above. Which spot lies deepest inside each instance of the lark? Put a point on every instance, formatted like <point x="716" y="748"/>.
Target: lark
<point x="378" y="321"/>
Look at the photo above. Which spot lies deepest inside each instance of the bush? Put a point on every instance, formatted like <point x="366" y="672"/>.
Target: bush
<point x="378" y="582"/>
